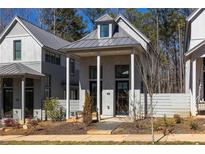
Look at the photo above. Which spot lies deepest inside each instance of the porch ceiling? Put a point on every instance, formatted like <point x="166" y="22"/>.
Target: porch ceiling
<point x="18" y="69"/>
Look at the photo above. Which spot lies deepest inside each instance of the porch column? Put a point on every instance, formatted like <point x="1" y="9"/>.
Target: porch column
<point x="23" y="99"/>
<point x="67" y="87"/>
<point x="1" y="99"/>
<point x="193" y="103"/>
<point x="98" y="85"/>
<point x="187" y="76"/>
<point x="132" y="83"/>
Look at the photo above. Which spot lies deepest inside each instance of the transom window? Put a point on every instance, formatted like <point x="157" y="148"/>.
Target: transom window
<point x="17" y="50"/>
<point x="104" y="30"/>
<point x="122" y="71"/>
<point x="29" y="82"/>
<point x="93" y="72"/>
<point x="7" y="82"/>
<point x="52" y="58"/>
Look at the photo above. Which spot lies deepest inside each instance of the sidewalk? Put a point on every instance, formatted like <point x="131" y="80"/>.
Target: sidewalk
<point x="114" y="138"/>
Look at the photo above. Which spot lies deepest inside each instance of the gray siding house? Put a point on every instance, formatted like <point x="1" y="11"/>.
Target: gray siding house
<point x="107" y="66"/>
<point x="31" y="69"/>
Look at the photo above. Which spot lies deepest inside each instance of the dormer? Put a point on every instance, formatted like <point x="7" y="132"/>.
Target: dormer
<point x="105" y="25"/>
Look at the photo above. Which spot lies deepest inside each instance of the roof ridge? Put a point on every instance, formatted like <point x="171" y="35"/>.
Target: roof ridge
<point x="21" y="18"/>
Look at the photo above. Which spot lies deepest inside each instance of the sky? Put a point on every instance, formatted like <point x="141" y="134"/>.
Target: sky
<point x="34" y="18"/>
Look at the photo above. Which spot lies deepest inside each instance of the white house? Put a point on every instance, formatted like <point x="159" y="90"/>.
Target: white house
<point x="195" y="60"/>
<point x="107" y="66"/>
<point x="31" y="69"/>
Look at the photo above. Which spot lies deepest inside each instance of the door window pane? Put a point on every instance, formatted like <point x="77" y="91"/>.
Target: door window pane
<point x="122" y="71"/>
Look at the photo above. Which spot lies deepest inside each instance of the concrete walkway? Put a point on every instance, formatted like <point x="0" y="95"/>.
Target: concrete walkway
<point x="114" y="138"/>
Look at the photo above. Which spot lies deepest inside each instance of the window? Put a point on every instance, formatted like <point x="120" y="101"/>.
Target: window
<point x="29" y="82"/>
<point x="47" y="57"/>
<point x="122" y="71"/>
<point x="52" y="58"/>
<point x="72" y="66"/>
<point x="17" y="50"/>
<point x="7" y="82"/>
<point x="47" y="90"/>
<point x="58" y="60"/>
<point x="93" y="72"/>
<point x="104" y="30"/>
<point x="73" y="94"/>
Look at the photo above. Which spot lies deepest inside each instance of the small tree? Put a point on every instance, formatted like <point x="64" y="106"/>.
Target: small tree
<point x="87" y="109"/>
<point x="148" y="67"/>
<point x="53" y="109"/>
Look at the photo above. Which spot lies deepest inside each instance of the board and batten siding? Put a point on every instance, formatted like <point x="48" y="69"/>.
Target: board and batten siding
<point x="168" y="104"/>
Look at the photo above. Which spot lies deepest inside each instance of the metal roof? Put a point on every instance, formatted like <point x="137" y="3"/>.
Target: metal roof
<point x="46" y="38"/>
<point x="104" y="18"/>
<point x="18" y="69"/>
<point x="119" y="38"/>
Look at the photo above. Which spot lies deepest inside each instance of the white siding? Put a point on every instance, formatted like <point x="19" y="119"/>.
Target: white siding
<point x="197" y="30"/>
<point x="31" y="50"/>
<point x="74" y="105"/>
<point x="168" y="104"/>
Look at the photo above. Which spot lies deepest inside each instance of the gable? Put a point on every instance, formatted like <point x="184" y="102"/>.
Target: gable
<point x="17" y="30"/>
<point x="197" y="33"/>
<point x="132" y="33"/>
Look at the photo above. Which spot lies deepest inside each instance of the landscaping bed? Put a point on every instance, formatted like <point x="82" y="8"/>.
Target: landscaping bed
<point x="48" y="128"/>
<point x="163" y="125"/>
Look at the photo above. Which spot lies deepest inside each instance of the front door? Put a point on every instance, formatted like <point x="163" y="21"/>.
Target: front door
<point x="93" y="94"/>
<point x="8" y="102"/>
<point x="29" y="100"/>
<point x="122" y="97"/>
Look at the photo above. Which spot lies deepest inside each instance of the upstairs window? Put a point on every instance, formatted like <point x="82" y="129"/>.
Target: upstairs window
<point x="104" y="30"/>
<point x="17" y="50"/>
<point x="72" y="66"/>
<point x="52" y="58"/>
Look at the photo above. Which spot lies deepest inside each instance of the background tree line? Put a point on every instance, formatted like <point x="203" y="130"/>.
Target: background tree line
<point x="164" y="27"/>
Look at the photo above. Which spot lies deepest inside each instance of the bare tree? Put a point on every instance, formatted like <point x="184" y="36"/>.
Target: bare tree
<point x="148" y="67"/>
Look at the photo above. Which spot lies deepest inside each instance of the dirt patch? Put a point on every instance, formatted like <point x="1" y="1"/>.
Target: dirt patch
<point x="161" y="125"/>
<point x="49" y="128"/>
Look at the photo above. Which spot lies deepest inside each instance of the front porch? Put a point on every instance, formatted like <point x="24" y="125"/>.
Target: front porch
<point x="111" y="78"/>
<point x="20" y="92"/>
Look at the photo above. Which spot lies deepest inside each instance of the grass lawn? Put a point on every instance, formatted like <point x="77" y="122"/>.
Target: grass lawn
<point x="94" y="143"/>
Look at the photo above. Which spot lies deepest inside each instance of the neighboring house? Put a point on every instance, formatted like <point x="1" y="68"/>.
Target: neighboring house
<point x="195" y="60"/>
<point x="31" y="69"/>
<point x="108" y="66"/>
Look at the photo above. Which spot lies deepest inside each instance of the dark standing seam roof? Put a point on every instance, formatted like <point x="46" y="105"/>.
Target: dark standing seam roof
<point x="46" y="38"/>
<point x="18" y="69"/>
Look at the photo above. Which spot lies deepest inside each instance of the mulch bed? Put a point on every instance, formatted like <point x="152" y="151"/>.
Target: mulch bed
<point x="143" y="126"/>
<point x="50" y="128"/>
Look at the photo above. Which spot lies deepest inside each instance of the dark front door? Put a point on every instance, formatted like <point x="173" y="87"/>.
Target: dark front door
<point x="122" y="97"/>
<point x="93" y="94"/>
<point x="29" y="100"/>
<point x="8" y="102"/>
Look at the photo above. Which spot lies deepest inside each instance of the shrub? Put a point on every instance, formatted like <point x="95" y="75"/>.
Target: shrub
<point x="177" y="119"/>
<point x="87" y="109"/>
<point x="9" y="122"/>
<point x="54" y="110"/>
<point x="194" y="125"/>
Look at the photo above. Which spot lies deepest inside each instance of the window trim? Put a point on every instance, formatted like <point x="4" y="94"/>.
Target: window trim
<point x="14" y="50"/>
